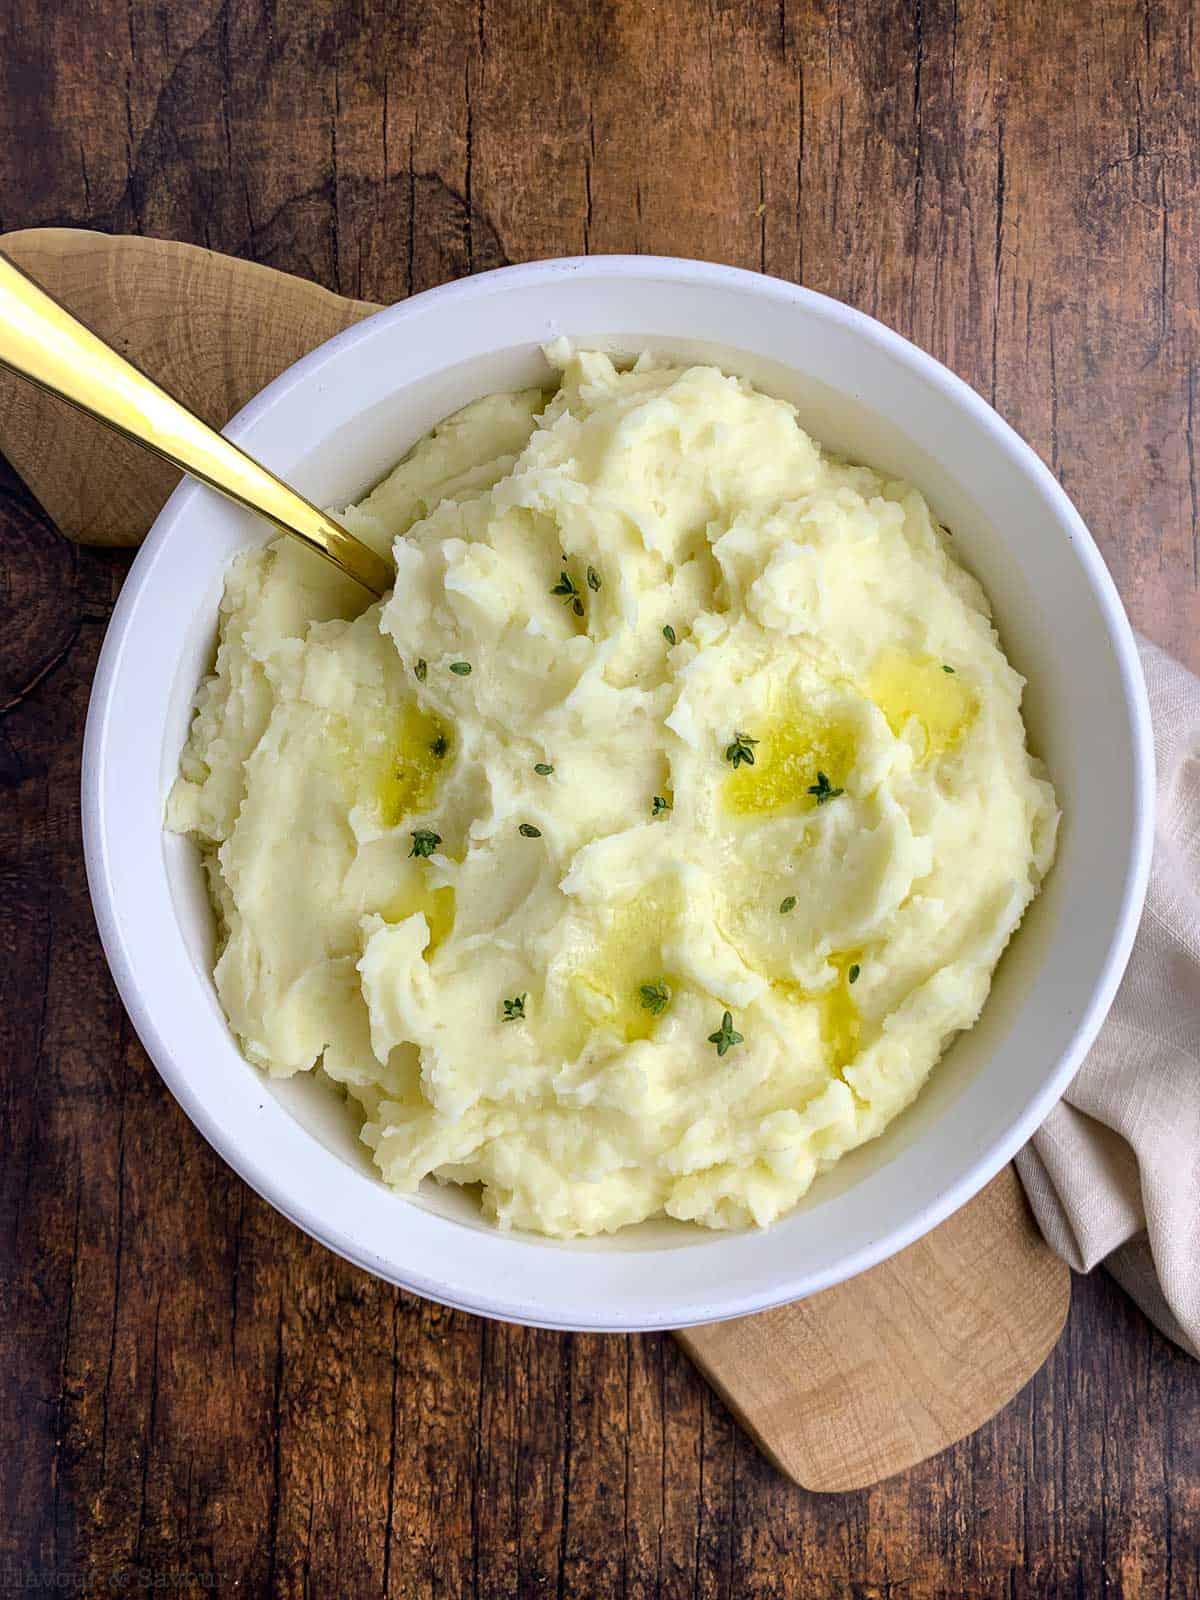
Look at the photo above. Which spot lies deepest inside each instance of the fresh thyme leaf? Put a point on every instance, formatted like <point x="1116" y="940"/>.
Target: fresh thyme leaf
<point x="823" y="790"/>
<point x="725" y="1037"/>
<point x="528" y="830"/>
<point x="852" y="975"/>
<point x="945" y="668"/>
<point x="788" y="903"/>
<point x="659" y="805"/>
<point x="656" y="997"/>
<point x="669" y="634"/>
<point x="438" y="747"/>
<point x="567" y="590"/>
<point x="424" y="842"/>
<point x="461" y="668"/>
<point x="542" y="768"/>
<point x="514" y="1009"/>
<point x="740" y="750"/>
<point x="421" y="668"/>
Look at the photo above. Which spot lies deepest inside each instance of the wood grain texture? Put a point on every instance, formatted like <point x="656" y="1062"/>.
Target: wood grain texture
<point x="970" y="1311"/>
<point x="877" y="1374"/>
<point x="188" y="1384"/>
<point x="213" y="330"/>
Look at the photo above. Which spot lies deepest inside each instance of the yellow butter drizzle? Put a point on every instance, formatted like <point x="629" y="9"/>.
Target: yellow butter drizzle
<point x="390" y="764"/>
<point x="793" y="749"/>
<point x="841" y="1024"/>
<point x="607" y="989"/>
<point x="838" y="1016"/>
<point x="410" y="765"/>
<point x="906" y="686"/>
<point x="437" y="905"/>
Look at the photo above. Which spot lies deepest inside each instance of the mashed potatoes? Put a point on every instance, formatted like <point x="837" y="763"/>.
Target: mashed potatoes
<point x="644" y="851"/>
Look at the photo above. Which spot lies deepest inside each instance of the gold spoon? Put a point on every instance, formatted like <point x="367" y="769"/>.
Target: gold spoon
<point x="42" y="341"/>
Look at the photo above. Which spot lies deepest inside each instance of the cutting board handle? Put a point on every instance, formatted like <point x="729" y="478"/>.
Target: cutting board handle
<point x="840" y="1390"/>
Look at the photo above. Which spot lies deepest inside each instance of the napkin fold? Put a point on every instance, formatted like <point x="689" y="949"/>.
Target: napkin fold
<point x="1113" y="1174"/>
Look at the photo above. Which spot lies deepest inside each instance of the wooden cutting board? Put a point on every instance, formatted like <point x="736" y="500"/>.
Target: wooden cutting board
<point x="840" y="1390"/>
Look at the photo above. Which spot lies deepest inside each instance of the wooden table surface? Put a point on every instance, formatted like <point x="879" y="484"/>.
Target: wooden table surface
<point x="192" y="1394"/>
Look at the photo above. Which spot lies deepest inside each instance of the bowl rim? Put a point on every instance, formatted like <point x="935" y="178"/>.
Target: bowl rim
<point x="1002" y="437"/>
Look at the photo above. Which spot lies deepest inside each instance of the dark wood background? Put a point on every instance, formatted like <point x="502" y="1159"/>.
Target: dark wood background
<point x="190" y="1389"/>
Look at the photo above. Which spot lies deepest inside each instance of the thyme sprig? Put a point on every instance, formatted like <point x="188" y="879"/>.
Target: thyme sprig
<point x="568" y="590"/>
<point x="823" y="790"/>
<point x="656" y="997"/>
<point x="740" y="750"/>
<point x="726" y="1036"/>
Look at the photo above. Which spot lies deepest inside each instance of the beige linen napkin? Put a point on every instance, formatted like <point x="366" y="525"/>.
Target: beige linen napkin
<point x="1113" y="1174"/>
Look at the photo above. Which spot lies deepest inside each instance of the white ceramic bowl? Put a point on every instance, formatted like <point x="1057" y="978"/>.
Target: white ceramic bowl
<point x="332" y="425"/>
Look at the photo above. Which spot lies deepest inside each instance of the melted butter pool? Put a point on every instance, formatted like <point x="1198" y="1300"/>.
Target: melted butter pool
<point x="905" y="687"/>
<point x="390" y="764"/>
<point x="793" y="749"/>
<point x="607" y="989"/>
<point x="437" y="905"/>
<point x="839" y="1017"/>
<point x="409" y="768"/>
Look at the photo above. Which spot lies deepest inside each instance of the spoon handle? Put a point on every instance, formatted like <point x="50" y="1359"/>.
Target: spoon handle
<point x="42" y="341"/>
